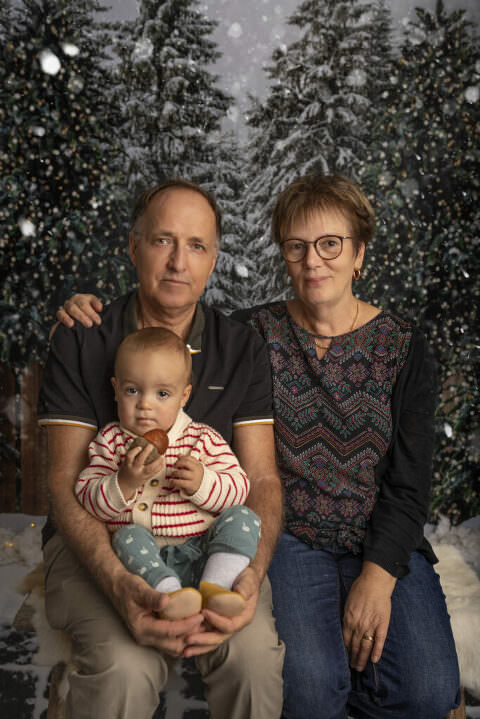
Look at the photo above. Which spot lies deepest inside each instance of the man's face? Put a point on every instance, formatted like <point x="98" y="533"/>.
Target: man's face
<point x="173" y="249"/>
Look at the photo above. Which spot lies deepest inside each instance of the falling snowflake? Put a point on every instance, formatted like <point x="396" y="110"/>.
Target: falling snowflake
<point x="235" y="30"/>
<point x="356" y="78"/>
<point x="49" y="62"/>
<point x="472" y="94"/>
<point x="447" y="428"/>
<point x="241" y="271"/>
<point x="70" y="49"/>
<point x="27" y="228"/>
<point x="143" y="49"/>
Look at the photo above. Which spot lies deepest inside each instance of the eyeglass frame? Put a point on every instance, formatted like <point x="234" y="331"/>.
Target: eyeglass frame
<point x="314" y="243"/>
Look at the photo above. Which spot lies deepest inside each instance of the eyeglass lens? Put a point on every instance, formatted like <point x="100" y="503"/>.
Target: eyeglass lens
<point x="327" y="247"/>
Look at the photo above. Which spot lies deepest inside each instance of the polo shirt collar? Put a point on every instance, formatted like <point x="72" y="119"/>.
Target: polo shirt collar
<point x="194" y="339"/>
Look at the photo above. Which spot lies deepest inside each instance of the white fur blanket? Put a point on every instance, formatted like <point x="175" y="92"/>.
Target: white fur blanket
<point x="458" y="551"/>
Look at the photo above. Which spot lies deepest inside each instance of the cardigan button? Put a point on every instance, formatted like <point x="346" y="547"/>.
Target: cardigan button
<point x="155" y="482"/>
<point x="142" y="506"/>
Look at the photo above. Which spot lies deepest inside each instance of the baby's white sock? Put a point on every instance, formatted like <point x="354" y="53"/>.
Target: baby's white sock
<point x="223" y="568"/>
<point x="168" y="584"/>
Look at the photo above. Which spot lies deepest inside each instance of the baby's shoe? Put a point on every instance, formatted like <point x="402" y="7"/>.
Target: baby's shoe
<point x="221" y="600"/>
<point x="182" y="604"/>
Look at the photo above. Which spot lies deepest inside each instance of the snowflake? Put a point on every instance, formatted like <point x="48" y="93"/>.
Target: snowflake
<point x="356" y="78"/>
<point x="143" y="50"/>
<point x="70" y="49"/>
<point x="235" y="30"/>
<point x="49" y="62"/>
<point x="241" y="271"/>
<point x="472" y="94"/>
<point x="27" y="228"/>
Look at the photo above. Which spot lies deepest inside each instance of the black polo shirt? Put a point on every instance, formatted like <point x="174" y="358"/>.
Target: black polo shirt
<point x="232" y="378"/>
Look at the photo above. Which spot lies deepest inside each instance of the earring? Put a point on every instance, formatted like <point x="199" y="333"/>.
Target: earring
<point x="356" y="274"/>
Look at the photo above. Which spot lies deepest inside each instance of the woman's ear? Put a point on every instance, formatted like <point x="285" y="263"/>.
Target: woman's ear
<point x="360" y="256"/>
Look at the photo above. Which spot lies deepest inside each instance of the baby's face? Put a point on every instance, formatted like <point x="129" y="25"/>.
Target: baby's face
<point x="150" y="387"/>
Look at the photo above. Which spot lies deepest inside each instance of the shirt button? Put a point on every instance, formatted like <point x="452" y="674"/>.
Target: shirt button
<point x="142" y="506"/>
<point x="155" y="482"/>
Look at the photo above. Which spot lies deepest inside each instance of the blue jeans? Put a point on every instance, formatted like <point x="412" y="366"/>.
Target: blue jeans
<point x="417" y="675"/>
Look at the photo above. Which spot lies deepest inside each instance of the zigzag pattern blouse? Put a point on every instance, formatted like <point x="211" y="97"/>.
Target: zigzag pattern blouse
<point x="333" y="421"/>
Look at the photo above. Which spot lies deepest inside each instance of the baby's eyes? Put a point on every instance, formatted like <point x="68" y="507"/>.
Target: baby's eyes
<point x="131" y="390"/>
<point x="163" y="393"/>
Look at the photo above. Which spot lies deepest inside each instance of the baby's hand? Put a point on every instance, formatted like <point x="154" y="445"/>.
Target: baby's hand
<point x="134" y="472"/>
<point x="187" y="474"/>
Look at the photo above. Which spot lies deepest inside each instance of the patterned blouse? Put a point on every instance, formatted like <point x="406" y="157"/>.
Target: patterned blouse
<point x="333" y="421"/>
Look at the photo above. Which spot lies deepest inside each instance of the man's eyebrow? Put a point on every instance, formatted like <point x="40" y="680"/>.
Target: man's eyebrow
<point x="163" y="233"/>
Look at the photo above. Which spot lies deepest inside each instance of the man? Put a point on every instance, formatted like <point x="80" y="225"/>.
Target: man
<point x="173" y="245"/>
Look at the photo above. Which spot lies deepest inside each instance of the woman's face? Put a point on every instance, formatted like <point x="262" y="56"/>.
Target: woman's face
<point x="317" y="280"/>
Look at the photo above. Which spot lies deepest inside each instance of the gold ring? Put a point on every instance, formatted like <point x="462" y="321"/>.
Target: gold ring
<point x="368" y="638"/>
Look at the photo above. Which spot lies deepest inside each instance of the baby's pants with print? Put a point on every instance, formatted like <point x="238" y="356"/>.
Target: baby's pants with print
<point x="235" y="531"/>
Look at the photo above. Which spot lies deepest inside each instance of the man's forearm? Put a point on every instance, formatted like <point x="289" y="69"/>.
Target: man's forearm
<point x="86" y="536"/>
<point x="89" y="539"/>
<point x="255" y="450"/>
<point x="266" y="500"/>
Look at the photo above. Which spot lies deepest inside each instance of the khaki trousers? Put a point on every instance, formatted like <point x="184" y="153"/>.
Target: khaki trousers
<point x="117" y="678"/>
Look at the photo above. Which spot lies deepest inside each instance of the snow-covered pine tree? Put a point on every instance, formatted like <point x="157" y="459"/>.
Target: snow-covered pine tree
<point x="58" y="216"/>
<point x="229" y="286"/>
<point x="425" y="262"/>
<point x="170" y="100"/>
<point x="318" y="114"/>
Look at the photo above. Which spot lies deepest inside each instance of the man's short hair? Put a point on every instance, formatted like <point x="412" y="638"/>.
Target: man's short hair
<point x="312" y="193"/>
<point x="155" y="338"/>
<point x="144" y="199"/>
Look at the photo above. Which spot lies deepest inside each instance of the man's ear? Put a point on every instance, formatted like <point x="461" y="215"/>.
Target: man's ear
<point x="132" y="247"/>
<point x="186" y="394"/>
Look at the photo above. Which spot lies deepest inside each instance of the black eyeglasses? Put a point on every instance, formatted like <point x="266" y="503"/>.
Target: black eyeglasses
<point x="328" y="247"/>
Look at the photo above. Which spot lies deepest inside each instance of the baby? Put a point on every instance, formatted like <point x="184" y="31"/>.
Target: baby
<point x="177" y="521"/>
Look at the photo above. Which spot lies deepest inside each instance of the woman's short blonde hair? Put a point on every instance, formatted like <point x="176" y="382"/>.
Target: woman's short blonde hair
<point x="311" y="193"/>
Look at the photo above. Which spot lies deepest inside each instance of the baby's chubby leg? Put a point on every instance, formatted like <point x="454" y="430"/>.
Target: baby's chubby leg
<point x="137" y="549"/>
<point x="233" y="541"/>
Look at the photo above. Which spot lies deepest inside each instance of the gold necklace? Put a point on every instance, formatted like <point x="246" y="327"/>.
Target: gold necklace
<point x="315" y="337"/>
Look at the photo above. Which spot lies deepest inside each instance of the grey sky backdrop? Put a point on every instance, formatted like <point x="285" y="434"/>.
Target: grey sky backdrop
<point x="249" y="30"/>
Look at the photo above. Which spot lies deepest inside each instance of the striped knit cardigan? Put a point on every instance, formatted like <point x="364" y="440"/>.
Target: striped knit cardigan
<point x="171" y="515"/>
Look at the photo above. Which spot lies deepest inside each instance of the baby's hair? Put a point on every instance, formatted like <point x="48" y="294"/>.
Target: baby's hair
<point x="154" y="338"/>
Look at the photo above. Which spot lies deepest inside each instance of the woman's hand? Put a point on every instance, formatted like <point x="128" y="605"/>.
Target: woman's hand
<point x="83" y="308"/>
<point x="367" y="614"/>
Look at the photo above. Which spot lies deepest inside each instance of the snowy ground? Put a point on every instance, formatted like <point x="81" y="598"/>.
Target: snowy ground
<point x="24" y="684"/>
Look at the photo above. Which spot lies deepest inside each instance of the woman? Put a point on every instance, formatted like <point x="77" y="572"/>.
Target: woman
<point x="356" y="599"/>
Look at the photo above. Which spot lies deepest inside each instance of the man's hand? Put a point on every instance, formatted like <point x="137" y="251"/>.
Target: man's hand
<point x="367" y="614"/>
<point x="83" y="308"/>
<point x="220" y="628"/>
<point x="138" y="604"/>
<point x="134" y="472"/>
<point x="187" y="474"/>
